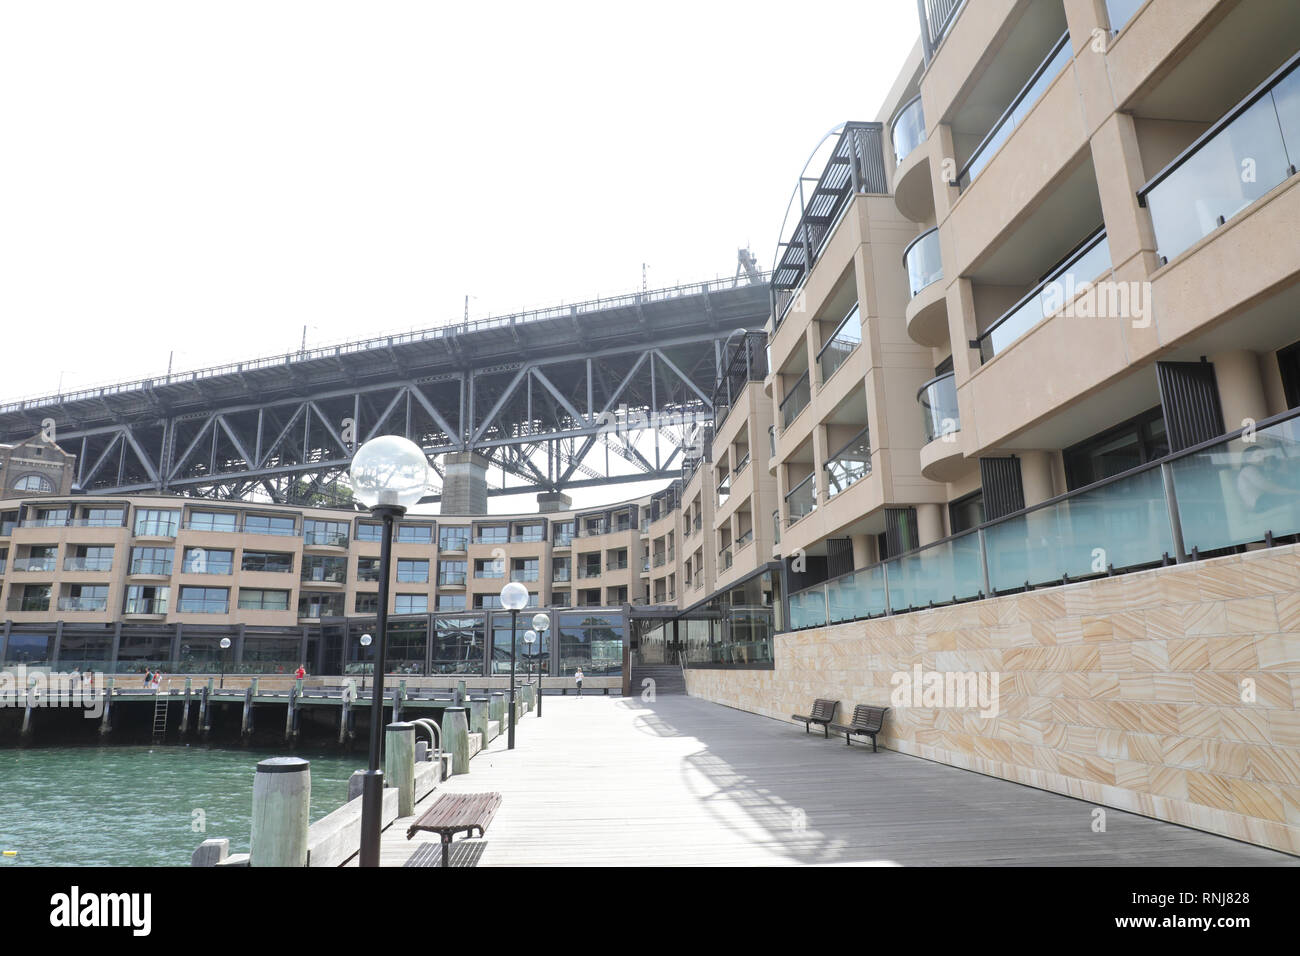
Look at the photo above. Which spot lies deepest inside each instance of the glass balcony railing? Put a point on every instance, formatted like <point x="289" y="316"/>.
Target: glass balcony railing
<point x="146" y="605"/>
<point x="83" y="604"/>
<point x="524" y="574"/>
<point x="330" y="539"/>
<point x="151" y="566"/>
<point x="922" y="261"/>
<point x="29" y="602"/>
<point x="938" y="399"/>
<point x="1246" y="154"/>
<point x="1080" y="269"/>
<point x="453" y="542"/>
<point x="87" y="564"/>
<point x="724" y="491"/>
<point x="724" y="559"/>
<point x="455" y="579"/>
<point x="801" y="500"/>
<point x="908" y="129"/>
<point x="202" y="606"/>
<point x="846" y="338"/>
<point x="741" y="464"/>
<point x="849" y="464"/>
<point x="796" y="400"/>
<point x="1234" y="491"/>
<point x="35" y="564"/>
<point x="1055" y="61"/>
<point x="744" y="538"/>
<point x="326" y="575"/>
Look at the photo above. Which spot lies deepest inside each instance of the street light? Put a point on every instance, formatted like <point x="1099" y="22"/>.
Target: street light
<point x="365" y="642"/>
<point x="225" y="646"/>
<point x="530" y="638"/>
<point x="388" y="475"/>
<point x="515" y="597"/>
<point x="541" y="623"/>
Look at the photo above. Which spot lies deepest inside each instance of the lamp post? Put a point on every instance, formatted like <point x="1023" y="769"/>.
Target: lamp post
<point x="530" y="638"/>
<point x="225" y="646"/>
<point x="365" y="642"/>
<point x="515" y="597"/>
<point x="541" y="623"/>
<point x="389" y="474"/>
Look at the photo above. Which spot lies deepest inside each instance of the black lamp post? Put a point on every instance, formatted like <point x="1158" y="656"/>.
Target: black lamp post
<point x="388" y="474"/>
<point x="365" y="641"/>
<point x="515" y="597"/>
<point x="225" y="646"/>
<point x="530" y="638"/>
<point x="541" y="622"/>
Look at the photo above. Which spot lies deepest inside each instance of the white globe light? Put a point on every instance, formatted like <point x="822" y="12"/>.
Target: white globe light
<point x="541" y="622"/>
<point x="365" y="640"/>
<point x="225" y="643"/>
<point x="389" y="470"/>
<point x="514" y="596"/>
<point x="530" y="636"/>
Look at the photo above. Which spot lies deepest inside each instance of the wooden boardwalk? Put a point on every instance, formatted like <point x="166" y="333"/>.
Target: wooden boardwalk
<point x="615" y="781"/>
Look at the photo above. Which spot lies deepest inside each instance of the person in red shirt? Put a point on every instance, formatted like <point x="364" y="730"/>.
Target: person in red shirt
<point x="301" y="673"/>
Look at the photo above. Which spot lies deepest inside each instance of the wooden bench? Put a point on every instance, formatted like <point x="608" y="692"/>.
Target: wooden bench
<point x="866" y="720"/>
<point x="454" y="813"/>
<point x="823" y="712"/>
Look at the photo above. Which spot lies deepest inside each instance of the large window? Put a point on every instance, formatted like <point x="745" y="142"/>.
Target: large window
<point x="151" y="560"/>
<point x="102" y="517"/>
<point x="156" y="523"/>
<point x="262" y="599"/>
<point x="412" y="571"/>
<point x="451" y="573"/>
<point x="406" y="646"/>
<point x="451" y="602"/>
<point x="415" y="533"/>
<point x="850" y="463"/>
<point x="492" y="534"/>
<point x="318" y="567"/>
<point x="277" y="562"/>
<point x="488" y="568"/>
<point x="966" y="512"/>
<point x="146" y="599"/>
<point x="367" y="602"/>
<point x="369" y="531"/>
<point x="482" y="601"/>
<point x="453" y="538"/>
<point x="592" y="642"/>
<point x="458" y="645"/>
<point x="524" y="569"/>
<point x="90" y="557"/>
<point x="270" y="655"/>
<point x="213" y="521"/>
<point x="208" y="561"/>
<point x="37" y="484"/>
<point x="367" y="569"/>
<point x="411" y="604"/>
<point x="315" y="604"/>
<point x="1132" y="443"/>
<point x="334" y="533"/>
<point x="196" y="600"/>
<point x="270" y="524"/>
<point x="85" y="597"/>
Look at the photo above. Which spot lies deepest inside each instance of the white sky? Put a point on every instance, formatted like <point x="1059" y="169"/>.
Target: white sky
<point x="210" y="177"/>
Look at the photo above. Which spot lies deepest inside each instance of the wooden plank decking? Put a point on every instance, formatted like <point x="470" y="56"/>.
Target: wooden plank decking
<point x="615" y="781"/>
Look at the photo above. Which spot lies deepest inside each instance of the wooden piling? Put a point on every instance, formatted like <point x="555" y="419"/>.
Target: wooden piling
<point x="281" y="812"/>
<point x="399" y="764"/>
<point x="455" y="738"/>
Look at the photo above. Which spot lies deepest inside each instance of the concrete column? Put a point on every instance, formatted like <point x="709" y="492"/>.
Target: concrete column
<point x="281" y="812"/>
<point x="548" y="501"/>
<point x="399" y="765"/>
<point x="929" y="523"/>
<point x="455" y="738"/>
<point x="1241" y="387"/>
<point x="464" y="486"/>
<point x="1036" y="476"/>
<point x="862" y="550"/>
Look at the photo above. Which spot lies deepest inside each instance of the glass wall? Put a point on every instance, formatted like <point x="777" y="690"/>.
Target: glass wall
<point x="458" y="644"/>
<point x="592" y="642"/>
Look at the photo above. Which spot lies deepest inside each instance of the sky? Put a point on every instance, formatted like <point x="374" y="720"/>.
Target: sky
<point x="197" y="183"/>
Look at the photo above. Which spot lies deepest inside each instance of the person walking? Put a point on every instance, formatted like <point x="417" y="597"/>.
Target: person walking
<point x="577" y="677"/>
<point x="301" y="672"/>
<point x="148" y="678"/>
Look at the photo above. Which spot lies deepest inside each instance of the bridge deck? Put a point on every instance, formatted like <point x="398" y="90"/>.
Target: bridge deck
<point x="611" y="781"/>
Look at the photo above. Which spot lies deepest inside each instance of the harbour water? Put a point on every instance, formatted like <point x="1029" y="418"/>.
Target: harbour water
<point x="140" y="805"/>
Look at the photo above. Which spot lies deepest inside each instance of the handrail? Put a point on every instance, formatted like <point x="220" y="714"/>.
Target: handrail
<point x="1251" y="98"/>
<point x="831" y="338"/>
<point x="1071" y="257"/>
<point x="1233" y="435"/>
<point x="1015" y="103"/>
<point x="934" y="381"/>
<point x="908" y="248"/>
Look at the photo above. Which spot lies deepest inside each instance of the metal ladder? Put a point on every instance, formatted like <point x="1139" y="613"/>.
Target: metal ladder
<point x="160" y="702"/>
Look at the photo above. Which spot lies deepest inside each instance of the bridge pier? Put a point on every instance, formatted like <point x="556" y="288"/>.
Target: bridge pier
<point x="464" y="487"/>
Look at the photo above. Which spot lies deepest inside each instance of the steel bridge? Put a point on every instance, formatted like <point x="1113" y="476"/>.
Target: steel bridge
<point x="594" y="393"/>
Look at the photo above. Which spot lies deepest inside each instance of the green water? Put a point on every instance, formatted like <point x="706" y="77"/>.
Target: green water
<point x="135" y="806"/>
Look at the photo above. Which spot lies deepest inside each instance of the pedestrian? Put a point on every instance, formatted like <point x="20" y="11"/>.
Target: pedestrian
<point x="148" y="678"/>
<point x="578" y="679"/>
<point x="301" y="673"/>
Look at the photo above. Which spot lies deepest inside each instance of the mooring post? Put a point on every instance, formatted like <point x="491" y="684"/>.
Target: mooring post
<point x="291" y="714"/>
<point x="455" y="738"/>
<point x="281" y="812"/>
<point x="205" y="710"/>
<point x="460" y="693"/>
<point x="27" y="710"/>
<point x="345" y="711"/>
<point x="185" y="710"/>
<point x="399" y="764"/>
<point x="398" y="699"/>
<point x="105" y="722"/>
<point x="497" y="710"/>
<point x="478" y="719"/>
<point x="246" y="726"/>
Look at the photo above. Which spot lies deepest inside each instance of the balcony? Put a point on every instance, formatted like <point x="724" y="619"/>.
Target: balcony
<point x="744" y="538"/>
<point x="153" y="606"/>
<point x="201" y="606"/>
<point x="44" y="523"/>
<point x="588" y="571"/>
<point x="742" y="464"/>
<point x="87" y="564"/>
<point x="448" y="579"/>
<point x="36" y="564"/>
<point x="849" y="464"/>
<point x="907" y="131"/>
<point x="913" y="194"/>
<point x="846" y="337"/>
<point x="325" y="539"/>
<point x="937" y="17"/>
<point x="155" y="566"/>
<point x="82" y="604"/>
<point x="922" y="260"/>
<point x="29" y="602"/>
<point x="525" y="575"/>
<point x="616" y="565"/>
<point x="560" y="575"/>
<point x="1208" y="184"/>
<point x="724" y="490"/>
<point x="724" y="559"/>
<point x="795" y="401"/>
<point x="938" y="399"/>
<point x="801" y="501"/>
<point x="926" y="313"/>
<point x="1088" y="261"/>
<point x="318" y="575"/>
<point x="453" y="543"/>
<point x="1056" y="60"/>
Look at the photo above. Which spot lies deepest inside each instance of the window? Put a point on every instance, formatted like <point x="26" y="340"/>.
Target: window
<point x="208" y="561"/>
<point x="459" y="644"/>
<point x="261" y="599"/>
<point x="369" y="531"/>
<point x="451" y="602"/>
<point x="155" y="522"/>
<point x="316" y="567"/>
<point x="48" y="518"/>
<point x="38" y="484"/>
<point x="333" y="533"/>
<point x="212" y="521"/>
<point x="196" y="600"/>
<point x="524" y="569"/>
<point x="102" y="517"/>
<point x="966" y="512"/>
<point x="453" y="538"/>
<point x="367" y="603"/>
<point x="269" y="524"/>
<point x="146" y="599"/>
<point x="842" y="342"/>
<point x="411" y="604"/>
<point x="487" y="600"/>
<point x="493" y="534"/>
<point x="452" y="573"/>
<point x="563" y="534"/>
<point x="850" y="463"/>
<point x="276" y="562"/>
<point x="85" y="597"/>
<point x="592" y="642"/>
<point x="90" y="558"/>
<point x="488" y="568"/>
<point x="411" y="571"/>
<point x="151" y="560"/>
<point x="560" y="569"/>
<point x="314" y="604"/>
<point x="34" y="597"/>
<point x="415" y="533"/>
<point x="1135" y="442"/>
<point x="367" y="569"/>
<point x="530" y="532"/>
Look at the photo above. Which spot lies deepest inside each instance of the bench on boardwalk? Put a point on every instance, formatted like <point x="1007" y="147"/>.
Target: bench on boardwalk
<point x="454" y="813"/>
<point x="823" y="712"/>
<point x="866" y="720"/>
